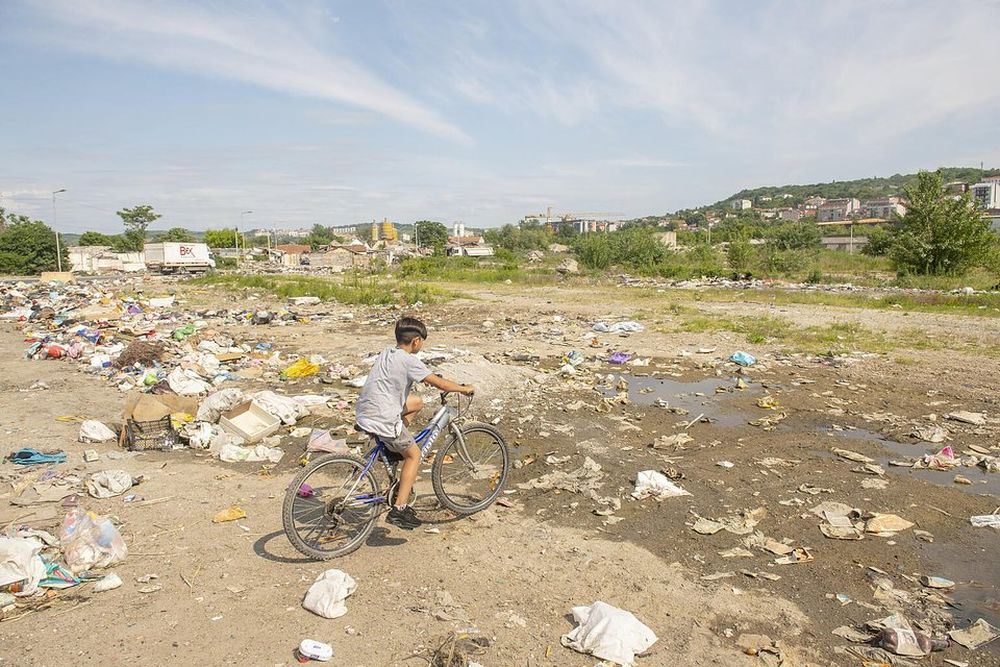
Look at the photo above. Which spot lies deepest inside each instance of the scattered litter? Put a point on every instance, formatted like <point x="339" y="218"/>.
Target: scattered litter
<point x="798" y="555"/>
<point x="886" y="524"/>
<point x="233" y="513"/>
<point x="108" y="582"/>
<point x="978" y="634"/>
<point x="608" y="633"/>
<point x="327" y="594"/>
<point x="584" y="479"/>
<point x="966" y="417"/>
<point x="90" y="541"/>
<point x="852" y="456"/>
<point x="109" y="483"/>
<point x="985" y="521"/>
<point x="672" y="441"/>
<point x="94" y="431"/>
<point x="743" y="358"/>
<point x="312" y="649"/>
<point x="626" y="326"/>
<point x="936" y="582"/>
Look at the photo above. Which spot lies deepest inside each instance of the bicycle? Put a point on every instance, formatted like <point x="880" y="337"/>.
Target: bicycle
<point x="332" y="504"/>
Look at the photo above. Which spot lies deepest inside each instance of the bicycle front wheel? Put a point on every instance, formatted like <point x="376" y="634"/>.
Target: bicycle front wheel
<point x="331" y="506"/>
<point x="467" y="479"/>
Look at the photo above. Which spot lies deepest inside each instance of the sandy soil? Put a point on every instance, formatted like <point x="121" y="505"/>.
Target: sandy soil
<point x="231" y="593"/>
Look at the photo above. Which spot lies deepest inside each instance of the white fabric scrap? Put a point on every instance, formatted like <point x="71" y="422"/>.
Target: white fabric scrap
<point x="109" y="483"/>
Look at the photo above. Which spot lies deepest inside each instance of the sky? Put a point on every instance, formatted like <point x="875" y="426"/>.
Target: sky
<point x="475" y="110"/>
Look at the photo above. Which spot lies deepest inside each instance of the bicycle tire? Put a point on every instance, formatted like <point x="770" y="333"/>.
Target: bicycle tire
<point x="291" y="494"/>
<point x="441" y="457"/>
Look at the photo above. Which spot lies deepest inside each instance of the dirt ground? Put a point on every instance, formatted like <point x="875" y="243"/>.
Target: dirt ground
<point x="231" y="593"/>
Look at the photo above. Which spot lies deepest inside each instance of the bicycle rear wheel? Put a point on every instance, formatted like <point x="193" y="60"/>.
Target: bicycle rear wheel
<point x="331" y="506"/>
<point x="467" y="480"/>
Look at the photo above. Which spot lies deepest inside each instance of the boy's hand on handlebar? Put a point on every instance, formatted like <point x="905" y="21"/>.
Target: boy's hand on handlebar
<point x="468" y="389"/>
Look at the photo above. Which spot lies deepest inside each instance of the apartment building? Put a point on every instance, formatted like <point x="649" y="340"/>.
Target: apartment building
<point x="838" y="209"/>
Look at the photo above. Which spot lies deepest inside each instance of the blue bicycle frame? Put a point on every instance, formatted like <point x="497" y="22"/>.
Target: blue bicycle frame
<point x="425" y="440"/>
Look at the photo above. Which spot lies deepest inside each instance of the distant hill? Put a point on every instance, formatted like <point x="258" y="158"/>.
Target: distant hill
<point x="862" y="188"/>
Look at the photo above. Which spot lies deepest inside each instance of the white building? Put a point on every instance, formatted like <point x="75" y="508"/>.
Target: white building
<point x="986" y="195"/>
<point x="885" y="208"/>
<point x="741" y="204"/>
<point x="458" y="229"/>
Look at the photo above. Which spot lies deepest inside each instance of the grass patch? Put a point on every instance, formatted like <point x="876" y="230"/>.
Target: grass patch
<point x="351" y="288"/>
<point x="836" y="338"/>
<point x="474" y="270"/>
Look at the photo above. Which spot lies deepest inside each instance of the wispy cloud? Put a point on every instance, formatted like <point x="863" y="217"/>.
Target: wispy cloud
<point x="256" y="44"/>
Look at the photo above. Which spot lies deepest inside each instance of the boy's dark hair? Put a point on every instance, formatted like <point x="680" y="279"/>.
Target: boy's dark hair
<point x="408" y="328"/>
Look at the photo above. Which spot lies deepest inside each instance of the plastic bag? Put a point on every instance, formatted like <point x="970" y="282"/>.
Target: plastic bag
<point x="90" y="541"/>
<point x="214" y="405"/>
<point x="300" y="369"/>
<point x="327" y="594"/>
<point x="609" y="633"/>
<point x="187" y="383"/>
<point x="743" y="358"/>
<point x="94" y="431"/>
<point x="20" y="562"/>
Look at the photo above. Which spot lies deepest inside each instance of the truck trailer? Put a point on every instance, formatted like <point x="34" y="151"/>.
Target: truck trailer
<point x="179" y="257"/>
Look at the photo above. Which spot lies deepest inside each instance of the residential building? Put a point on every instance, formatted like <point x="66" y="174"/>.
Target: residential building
<point x="741" y="204"/>
<point x="886" y="208"/>
<point x="956" y="188"/>
<point x="986" y="195"/>
<point x="339" y="257"/>
<point x="814" y="202"/>
<point x="668" y="239"/>
<point x="792" y="214"/>
<point x="838" y="209"/>
<point x="291" y="254"/>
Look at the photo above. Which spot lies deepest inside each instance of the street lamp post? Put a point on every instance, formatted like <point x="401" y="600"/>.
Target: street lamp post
<point x="238" y="234"/>
<point x="55" y="226"/>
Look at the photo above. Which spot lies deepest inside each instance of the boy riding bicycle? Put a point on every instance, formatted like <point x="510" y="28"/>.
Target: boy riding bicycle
<point x="385" y="408"/>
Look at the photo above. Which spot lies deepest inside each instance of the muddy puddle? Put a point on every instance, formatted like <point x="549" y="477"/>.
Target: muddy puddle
<point x="973" y="569"/>
<point x="982" y="481"/>
<point x="710" y="397"/>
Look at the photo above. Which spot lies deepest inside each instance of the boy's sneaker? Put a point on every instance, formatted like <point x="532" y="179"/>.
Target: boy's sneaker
<point x="404" y="518"/>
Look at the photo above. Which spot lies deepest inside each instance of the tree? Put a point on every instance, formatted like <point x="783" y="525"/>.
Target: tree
<point x="96" y="238"/>
<point x="430" y="233"/>
<point x="27" y="246"/>
<point x="879" y="242"/>
<point x="176" y="234"/>
<point x="740" y="255"/>
<point x="220" y="238"/>
<point x="136" y="220"/>
<point x="794" y="236"/>
<point x="939" y="235"/>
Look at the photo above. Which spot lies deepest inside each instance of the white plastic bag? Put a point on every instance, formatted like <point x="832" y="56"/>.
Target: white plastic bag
<point x="656" y="485"/>
<point x="94" y="431"/>
<point x="236" y="454"/>
<point x="20" y="561"/>
<point x="187" y="383"/>
<point x="214" y="405"/>
<point x="608" y="633"/>
<point x="327" y="594"/>
<point x="109" y="483"/>
<point x="90" y="541"/>
<point x="288" y="410"/>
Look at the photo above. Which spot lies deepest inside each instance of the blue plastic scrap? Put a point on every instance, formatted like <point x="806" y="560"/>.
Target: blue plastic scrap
<point x="743" y="358"/>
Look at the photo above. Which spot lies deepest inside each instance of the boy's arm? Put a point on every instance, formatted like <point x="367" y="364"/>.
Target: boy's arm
<point x="439" y="382"/>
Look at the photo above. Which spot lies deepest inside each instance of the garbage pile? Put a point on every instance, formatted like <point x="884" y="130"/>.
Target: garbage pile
<point x="33" y="562"/>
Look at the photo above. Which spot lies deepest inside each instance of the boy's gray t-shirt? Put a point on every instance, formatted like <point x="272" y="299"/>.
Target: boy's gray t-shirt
<point x="380" y="405"/>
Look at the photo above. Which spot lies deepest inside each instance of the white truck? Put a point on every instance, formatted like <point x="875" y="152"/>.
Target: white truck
<point x="179" y="257"/>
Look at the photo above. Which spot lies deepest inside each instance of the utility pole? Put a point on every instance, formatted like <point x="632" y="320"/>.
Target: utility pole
<point x="55" y="226"/>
